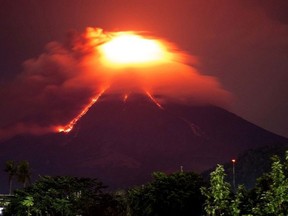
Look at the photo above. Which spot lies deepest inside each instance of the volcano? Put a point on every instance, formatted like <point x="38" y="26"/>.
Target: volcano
<point x="122" y="139"/>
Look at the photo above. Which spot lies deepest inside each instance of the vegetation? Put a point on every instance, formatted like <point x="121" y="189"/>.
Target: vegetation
<point x="63" y="195"/>
<point x="11" y="169"/>
<point x="21" y="170"/>
<point x="269" y="197"/>
<point x="175" y="194"/>
<point x="272" y="190"/>
<point x="218" y="194"/>
<point x="181" y="193"/>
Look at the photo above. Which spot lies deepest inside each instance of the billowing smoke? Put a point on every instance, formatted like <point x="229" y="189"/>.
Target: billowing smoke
<point x="54" y="87"/>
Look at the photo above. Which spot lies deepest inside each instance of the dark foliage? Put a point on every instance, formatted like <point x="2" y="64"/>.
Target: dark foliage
<point x="175" y="194"/>
<point x="63" y="196"/>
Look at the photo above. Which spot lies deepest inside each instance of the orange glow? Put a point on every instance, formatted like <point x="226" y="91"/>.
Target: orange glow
<point x="128" y="48"/>
<point x="67" y="128"/>
<point x="154" y="100"/>
<point x="233" y="160"/>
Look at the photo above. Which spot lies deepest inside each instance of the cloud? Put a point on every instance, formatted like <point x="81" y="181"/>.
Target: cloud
<point x="54" y="87"/>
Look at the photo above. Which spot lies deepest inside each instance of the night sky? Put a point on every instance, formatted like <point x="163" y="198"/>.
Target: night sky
<point x="243" y="43"/>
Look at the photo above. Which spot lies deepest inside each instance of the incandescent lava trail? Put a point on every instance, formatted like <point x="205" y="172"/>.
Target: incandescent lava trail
<point x="67" y="128"/>
<point x="154" y="100"/>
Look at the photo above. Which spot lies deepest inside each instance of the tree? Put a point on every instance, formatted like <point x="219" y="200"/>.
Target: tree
<point x="174" y="194"/>
<point x="24" y="172"/>
<point x="273" y="193"/>
<point x="237" y="201"/>
<point x="218" y="194"/>
<point x="62" y="206"/>
<point x="11" y="169"/>
<point x="63" y="195"/>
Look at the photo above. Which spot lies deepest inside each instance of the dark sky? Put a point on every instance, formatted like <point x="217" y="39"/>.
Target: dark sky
<point x="244" y="43"/>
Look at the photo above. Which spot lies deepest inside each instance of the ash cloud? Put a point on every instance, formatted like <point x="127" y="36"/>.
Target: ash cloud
<point x="54" y="87"/>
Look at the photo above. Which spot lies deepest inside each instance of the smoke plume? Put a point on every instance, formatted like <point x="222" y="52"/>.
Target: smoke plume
<point x="55" y="86"/>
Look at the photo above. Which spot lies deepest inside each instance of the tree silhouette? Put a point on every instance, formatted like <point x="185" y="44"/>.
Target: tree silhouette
<point x="11" y="169"/>
<point x="62" y="195"/>
<point x="23" y="172"/>
<point x="174" y="194"/>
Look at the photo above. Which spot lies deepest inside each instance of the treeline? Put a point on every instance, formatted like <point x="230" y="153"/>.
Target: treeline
<point x="21" y="170"/>
<point x="179" y="194"/>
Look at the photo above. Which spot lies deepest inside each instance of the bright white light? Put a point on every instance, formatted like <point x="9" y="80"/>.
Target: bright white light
<point x="132" y="49"/>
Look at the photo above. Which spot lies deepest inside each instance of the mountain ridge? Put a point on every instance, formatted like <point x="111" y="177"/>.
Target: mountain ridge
<point x="121" y="141"/>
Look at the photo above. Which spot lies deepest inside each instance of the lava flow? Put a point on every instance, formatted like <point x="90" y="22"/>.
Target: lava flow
<point x="67" y="128"/>
<point x="154" y="100"/>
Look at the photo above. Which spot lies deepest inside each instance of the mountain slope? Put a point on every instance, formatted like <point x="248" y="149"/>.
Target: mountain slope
<point x="123" y="141"/>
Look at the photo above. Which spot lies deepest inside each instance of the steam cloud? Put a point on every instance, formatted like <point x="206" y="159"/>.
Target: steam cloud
<point x="54" y="87"/>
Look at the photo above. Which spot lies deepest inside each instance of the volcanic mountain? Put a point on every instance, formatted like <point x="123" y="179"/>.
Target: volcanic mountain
<point x="121" y="140"/>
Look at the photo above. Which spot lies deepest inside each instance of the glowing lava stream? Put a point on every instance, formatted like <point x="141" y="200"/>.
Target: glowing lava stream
<point x="67" y="128"/>
<point x="154" y="100"/>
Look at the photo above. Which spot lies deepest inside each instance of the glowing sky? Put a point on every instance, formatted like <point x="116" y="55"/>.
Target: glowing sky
<point x="243" y="43"/>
